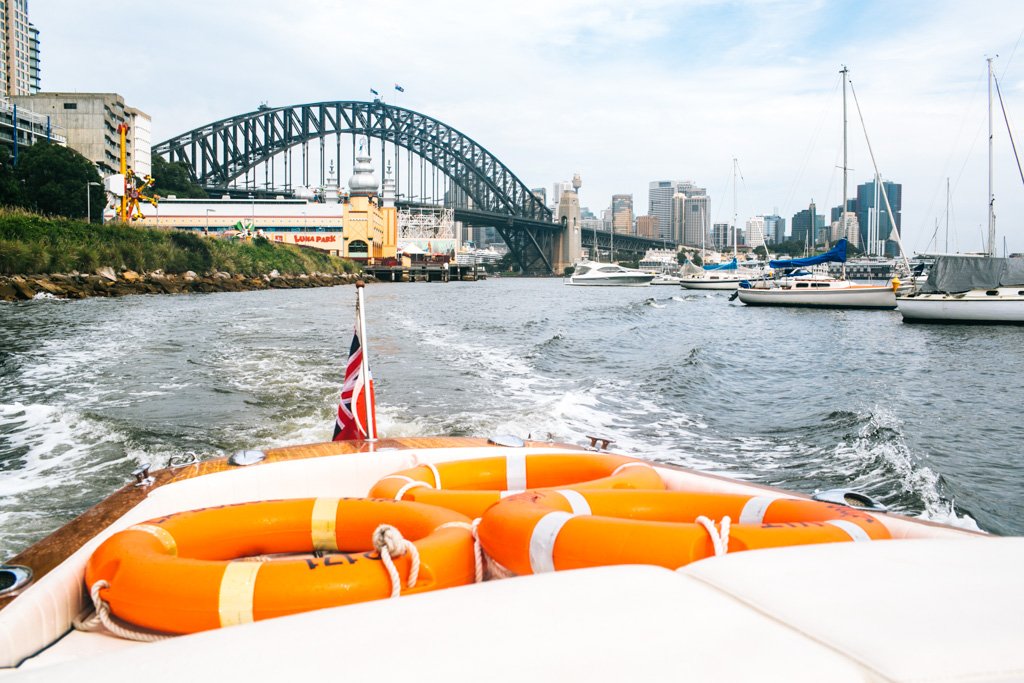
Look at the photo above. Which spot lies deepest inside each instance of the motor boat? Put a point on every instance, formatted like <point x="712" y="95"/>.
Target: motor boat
<point x="223" y="554"/>
<point x="597" y="274"/>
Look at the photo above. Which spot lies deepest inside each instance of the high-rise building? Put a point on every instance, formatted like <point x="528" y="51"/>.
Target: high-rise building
<point x="775" y="229"/>
<point x="875" y="224"/>
<point x="755" y="235"/>
<point x="556" y="192"/>
<point x="622" y="213"/>
<point x="20" y="49"/>
<point x="806" y="225"/>
<point x="721" y="236"/>
<point x="139" y="140"/>
<point x="659" y="205"/>
<point x="90" y="121"/>
<point x="647" y="226"/>
<point x="541" y="193"/>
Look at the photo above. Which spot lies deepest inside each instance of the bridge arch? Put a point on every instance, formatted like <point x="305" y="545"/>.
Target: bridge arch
<point x="218" y="154"/>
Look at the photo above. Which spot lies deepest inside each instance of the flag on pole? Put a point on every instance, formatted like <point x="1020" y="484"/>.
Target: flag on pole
<point x="399" y="88"/>
<point x="374" y="92"/>
<point x="357" y="410"/>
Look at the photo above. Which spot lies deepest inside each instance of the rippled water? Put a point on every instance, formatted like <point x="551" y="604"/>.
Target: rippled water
<point x="924" y="418"/>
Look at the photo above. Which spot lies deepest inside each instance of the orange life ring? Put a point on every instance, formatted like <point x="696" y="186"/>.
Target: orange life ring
<point x="180" y="574"/>
<point x="548" y="530"/>
<point x="472" y="486"/>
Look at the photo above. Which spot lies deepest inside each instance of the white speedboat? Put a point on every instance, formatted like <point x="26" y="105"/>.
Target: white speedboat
<point x="597" y="274"/>
<point x="250" y="595"/>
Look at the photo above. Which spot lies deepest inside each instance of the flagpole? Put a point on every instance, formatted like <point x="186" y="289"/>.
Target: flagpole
<point x="364" y="368"/>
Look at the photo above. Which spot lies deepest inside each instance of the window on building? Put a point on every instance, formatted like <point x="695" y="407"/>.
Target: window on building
<point x="71" y="105"/>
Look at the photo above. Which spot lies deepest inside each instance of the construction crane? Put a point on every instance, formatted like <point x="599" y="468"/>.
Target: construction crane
<point x="134" y="193"/>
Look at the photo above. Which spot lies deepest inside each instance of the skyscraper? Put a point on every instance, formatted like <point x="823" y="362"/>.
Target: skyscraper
<point x="806" y="225"/>
<point x="876" y="226"/>
<point x="622" y="213"/>
<point x="659" y="205"/>
<point x="775" y="229"/>
<point x="755" y="235"/>
<point x="19" y="54"/>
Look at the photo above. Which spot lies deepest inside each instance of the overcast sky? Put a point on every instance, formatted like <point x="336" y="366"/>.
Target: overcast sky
<point x="622" y="92"/>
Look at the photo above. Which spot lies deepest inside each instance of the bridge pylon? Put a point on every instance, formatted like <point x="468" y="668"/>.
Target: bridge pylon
<point x="568" y="246"/>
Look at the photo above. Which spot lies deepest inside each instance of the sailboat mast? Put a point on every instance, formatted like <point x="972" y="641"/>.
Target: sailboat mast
<point x="735" y="164"/>
<point x="947" y="215"/>
<point x="991" y="197"/>
<point x="842" y="212"/>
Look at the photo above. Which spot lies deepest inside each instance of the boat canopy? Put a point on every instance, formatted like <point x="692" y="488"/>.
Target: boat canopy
<point x="953" y="274"/>
<point x="836" y="254"/>
<point x="731" y="265"/>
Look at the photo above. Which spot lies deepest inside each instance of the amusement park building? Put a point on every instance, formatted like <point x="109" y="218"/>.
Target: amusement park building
<point x="362" y="225"/>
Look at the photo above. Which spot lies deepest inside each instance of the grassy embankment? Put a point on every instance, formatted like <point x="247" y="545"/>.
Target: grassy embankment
<point x="34" y="245"/>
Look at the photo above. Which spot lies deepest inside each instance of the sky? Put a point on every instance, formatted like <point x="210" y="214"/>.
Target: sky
<point x="623" y="93"/>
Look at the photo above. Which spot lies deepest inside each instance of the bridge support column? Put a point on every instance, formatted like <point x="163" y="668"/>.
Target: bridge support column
<point x="568" y="246"/>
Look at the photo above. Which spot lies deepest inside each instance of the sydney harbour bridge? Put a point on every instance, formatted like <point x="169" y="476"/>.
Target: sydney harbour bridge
<point x="270" y="152"/>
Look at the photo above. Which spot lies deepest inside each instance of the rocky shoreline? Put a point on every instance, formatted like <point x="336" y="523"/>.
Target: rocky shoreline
<point x="107" y="282"/>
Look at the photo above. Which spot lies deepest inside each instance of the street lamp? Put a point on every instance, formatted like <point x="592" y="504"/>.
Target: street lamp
<point x="208" y="212"/>
<point x="88" y="200"/>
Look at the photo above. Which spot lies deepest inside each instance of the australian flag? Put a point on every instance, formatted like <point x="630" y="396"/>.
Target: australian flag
<point x="399" y="88"/>
<point x="374" y="92"/>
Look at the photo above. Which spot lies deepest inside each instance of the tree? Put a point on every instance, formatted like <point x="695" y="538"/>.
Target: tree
<point x="174" y="178"/>
<point x="54" y="181"/>
<point x="10" y="187"/>
<point x="761" y="251"/>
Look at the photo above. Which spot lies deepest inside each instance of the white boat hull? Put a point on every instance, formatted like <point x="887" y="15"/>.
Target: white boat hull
<point x="702" y="283"/>
<point x="857" y="296"/>
<point x="975" y="306"/>
<point x="638" y="281"/>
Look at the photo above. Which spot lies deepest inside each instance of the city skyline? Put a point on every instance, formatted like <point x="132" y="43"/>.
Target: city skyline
<point x="753" y="80"/>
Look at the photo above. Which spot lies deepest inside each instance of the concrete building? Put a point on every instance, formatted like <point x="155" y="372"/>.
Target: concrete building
<point x="541" y="193"/>
<point x="19" y="63"/>
<point x="851" y="231"/>
<point x="647" y="226"/>
<point x="622" y="213"/>
<point x="31" y="127"/>
<point x="660" y="194"/>
<point x="90" y="121"/>
<point x="721" y="236"/>
<point x="139" y="140"/>
<point x="755" y="232"/>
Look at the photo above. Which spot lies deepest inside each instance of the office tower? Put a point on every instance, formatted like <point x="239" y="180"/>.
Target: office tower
<point x="721" y="237"/>
<point x="541" y="193"/>
<point x="775" y="229"/>
<point x="556" y="192"/>
<point x="659" y="205"/>
<point x="622" y="213"/>
<point x="806" y="225"/>
<point x="873" y="217"/>
<point x="647" y="226"/>
<point x="755" y="235"/>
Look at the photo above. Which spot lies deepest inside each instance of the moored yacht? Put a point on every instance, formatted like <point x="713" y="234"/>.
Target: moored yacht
<point x="597" y="274"/>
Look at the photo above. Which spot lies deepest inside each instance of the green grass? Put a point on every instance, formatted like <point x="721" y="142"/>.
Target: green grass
<point x="34" y="245"/>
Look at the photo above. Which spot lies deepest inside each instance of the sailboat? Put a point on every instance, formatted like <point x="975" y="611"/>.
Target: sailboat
<point x="820" y="292"/>
<point x="724" y="275"/>
<point x="969" y="289"/>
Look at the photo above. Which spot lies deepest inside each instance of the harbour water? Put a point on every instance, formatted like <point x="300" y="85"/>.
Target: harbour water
<point x="923" y="418"/>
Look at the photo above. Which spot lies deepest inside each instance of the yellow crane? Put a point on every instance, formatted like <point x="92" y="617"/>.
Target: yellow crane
<point x="129" y="209"/>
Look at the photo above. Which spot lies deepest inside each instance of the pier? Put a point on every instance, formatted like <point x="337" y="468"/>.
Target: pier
<point x="425" y="272"/>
